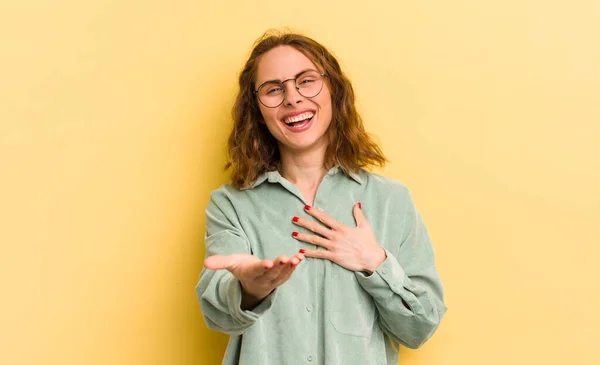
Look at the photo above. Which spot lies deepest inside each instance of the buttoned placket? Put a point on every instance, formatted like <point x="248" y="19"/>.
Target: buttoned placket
<point x="319" y="269"/>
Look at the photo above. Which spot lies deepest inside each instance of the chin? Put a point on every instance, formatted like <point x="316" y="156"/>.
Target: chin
<point x="305" y="145"/>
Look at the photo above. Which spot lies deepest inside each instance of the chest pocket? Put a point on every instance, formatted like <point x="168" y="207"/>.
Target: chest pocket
<point x="352" y="308"/>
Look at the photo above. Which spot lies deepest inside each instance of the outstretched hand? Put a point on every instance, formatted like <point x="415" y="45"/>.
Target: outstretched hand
<point x="257" y="277"/>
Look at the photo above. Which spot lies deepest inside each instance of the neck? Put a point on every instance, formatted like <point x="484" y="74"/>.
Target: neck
<point x="305" y="169"/>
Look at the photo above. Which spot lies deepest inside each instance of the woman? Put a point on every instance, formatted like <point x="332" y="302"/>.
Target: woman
<point x="310" y="258"/>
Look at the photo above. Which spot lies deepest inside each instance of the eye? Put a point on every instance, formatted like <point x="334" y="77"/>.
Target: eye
<point x="271" y="90"/>
<point x="306" y="81"/>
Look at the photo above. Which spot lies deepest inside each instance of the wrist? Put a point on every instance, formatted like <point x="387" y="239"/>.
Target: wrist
<point x="251" y="300"/>
<point x="377" y="260"/>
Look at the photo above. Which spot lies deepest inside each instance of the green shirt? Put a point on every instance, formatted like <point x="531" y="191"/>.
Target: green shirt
<point x="324" y="314"/>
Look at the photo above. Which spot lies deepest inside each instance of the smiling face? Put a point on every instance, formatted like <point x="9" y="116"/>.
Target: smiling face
<point x="299" y="124"/>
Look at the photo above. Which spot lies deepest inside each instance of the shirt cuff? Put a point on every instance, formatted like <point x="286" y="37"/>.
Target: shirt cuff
<point x="234" y="289"/>
<point x="387" y="280"/>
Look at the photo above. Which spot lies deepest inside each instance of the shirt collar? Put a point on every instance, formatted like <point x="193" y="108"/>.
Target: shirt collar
<point x="355" y="176"/>
<point x="274" y="177"/>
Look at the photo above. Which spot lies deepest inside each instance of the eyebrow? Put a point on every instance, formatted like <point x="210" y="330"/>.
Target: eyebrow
<point x="298" y="74"/>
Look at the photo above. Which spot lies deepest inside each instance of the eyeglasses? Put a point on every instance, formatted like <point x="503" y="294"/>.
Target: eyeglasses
<point x="272" y="93"/>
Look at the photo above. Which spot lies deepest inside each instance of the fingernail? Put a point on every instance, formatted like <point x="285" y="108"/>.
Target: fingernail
<point x="295" y="219"/>
<point x="307" y="207"/>
<point x="302" y="250"/>
<point x="294" y="234"/>
<point x="359" y="205"/>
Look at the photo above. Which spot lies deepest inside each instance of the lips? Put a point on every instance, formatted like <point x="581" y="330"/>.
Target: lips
<point x="298" y="117"/>
<point x="298" y="120"/>
<point x="300" y="126"/>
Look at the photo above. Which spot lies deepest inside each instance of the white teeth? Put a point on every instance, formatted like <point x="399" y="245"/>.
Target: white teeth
<point x="299" y="117"/>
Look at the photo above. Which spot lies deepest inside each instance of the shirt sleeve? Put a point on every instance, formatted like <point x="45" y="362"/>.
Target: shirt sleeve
<point x="218" y="291"/>
<point x="406" y="287"/>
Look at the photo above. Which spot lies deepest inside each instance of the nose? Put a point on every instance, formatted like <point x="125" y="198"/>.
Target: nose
<point x="291" y="96"/>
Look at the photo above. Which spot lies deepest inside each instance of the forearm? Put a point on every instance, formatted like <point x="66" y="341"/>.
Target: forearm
<point x="410" y="309"/>
<point x="221" y="298"/>
<point x="250" y="301"/>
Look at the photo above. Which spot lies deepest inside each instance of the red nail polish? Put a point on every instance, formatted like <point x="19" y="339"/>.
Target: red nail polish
<point x="359" y="205"/>
<point x="295" y="219"/>
<point x="294" y="234"/>
<point x="302" y="250"/>
<point x="307" y="207"/>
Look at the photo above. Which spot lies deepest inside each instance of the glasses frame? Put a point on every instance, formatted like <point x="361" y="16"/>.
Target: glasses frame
<point x="282" y="83"/>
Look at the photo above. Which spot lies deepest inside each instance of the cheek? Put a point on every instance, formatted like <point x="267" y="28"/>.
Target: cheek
<point x="269" y="115"/>
<point x="325" y="98"/>
<point x="325" y="105"/>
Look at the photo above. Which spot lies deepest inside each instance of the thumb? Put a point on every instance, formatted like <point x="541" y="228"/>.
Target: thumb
<point x="359" y="217"/>
<point x="218" y="262"/>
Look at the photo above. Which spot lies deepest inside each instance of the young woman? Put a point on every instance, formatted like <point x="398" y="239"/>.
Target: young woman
<point x="311" y="259"/>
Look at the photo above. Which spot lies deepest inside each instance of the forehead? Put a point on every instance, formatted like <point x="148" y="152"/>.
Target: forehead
<point x="282" y="63"/>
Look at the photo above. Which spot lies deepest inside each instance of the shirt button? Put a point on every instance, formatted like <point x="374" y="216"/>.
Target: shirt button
<point x="320" y="209"/>
<point x="385" y="270"/>
<point x="310" y="358"/>
<point x="309" y="307"/>
<point x="309" y="258"/>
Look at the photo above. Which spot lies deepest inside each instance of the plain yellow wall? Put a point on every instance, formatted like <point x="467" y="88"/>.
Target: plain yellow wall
<point x="113" y="121"/>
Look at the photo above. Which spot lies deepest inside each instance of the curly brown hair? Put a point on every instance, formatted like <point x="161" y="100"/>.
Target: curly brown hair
<point x="252" y="149"/>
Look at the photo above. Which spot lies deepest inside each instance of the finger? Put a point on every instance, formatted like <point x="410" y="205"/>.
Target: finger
<point x="319" y="254"/>
<point x="258" y="268"/>
<point x="316" y="227"/>
<point x="287" y="271"/>
<point x="311" y="238"/>
<point x="282" y="260"/>
<point x="299" y="255"/>
<point x="294" y="261"/>
<point x="278" y="265"/>
<point x="323" y="218"/>
<point x="359" y="215"/>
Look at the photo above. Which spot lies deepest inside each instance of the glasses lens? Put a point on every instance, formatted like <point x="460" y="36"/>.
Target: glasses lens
<point x="309" y="84"/>
<point x="271" y="94"/>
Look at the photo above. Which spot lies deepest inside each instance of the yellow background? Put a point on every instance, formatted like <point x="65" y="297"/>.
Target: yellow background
<point x="113" y="121"/>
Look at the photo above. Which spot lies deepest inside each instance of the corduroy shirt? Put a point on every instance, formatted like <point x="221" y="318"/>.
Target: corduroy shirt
<point x="324" y="314"/>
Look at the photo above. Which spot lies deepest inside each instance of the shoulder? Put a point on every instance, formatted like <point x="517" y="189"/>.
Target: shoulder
<point x="229" y="192"/>
<point x="230" y="195"/>
<point x="226" y="202"/>
<point x="383" y="185"/>
<point x="225" y="197"/>
<point x="225" y="190"/>
<point x="392" y="195"/>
